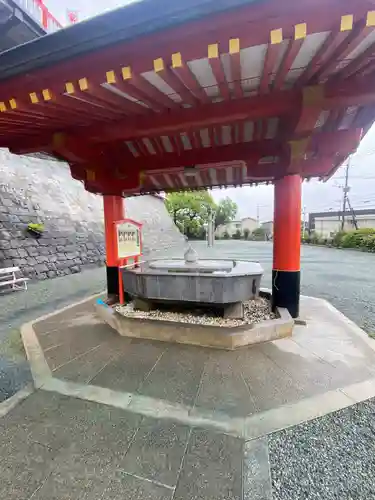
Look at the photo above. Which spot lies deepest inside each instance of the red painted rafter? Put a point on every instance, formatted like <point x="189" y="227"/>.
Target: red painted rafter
<point x="32" y="117"/>
<point x="183" y="71"/>
<point x="195" y="139"/>
<point x="137" y="95"/>
<point x="174" y="82"/>
<point x="235" y="66"/>
<point x="67" y="107"/>
<point x="64" y="107"/>
<point x="217" y="69"/>
<point x="291" y="53"/>
<point x="272" y="54"/>
<point x="258" y="133"/>
<point x="104" y="99"/>
<point x="337" y="36"/>
<point x="359" y="65"/>
<point x="233" y="135"/>
<point x="89" y="104"/>
<point x="350" y="43"/>
<point x="141" y="148"/>
<point x="141" y="84"/>
<point x="157" y="144"/>
<point x="140" y="89"/>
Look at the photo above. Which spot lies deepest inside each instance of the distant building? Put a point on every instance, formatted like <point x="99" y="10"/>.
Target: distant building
<point x="326" y="224"/>
<point x="237" y="225"/>
<point x="268" y="229"/>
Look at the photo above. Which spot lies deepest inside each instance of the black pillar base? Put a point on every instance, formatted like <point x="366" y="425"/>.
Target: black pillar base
<point x="112" y="282"/>
<point x="286" y="291"/>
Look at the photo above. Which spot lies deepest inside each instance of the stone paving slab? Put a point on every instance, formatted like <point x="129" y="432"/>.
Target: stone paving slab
<point x="324" y="356"/>
<point x="57" y="448"/>
<point x="97" y="452"/>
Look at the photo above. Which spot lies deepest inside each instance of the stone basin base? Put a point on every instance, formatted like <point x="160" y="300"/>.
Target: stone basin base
<point x="219" y="337"/>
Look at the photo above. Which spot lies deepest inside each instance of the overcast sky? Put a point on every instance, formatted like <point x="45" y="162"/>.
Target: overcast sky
<point x="317" y="196"/>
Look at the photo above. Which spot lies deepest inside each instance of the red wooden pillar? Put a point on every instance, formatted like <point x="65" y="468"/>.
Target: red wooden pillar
<point x="113" y="211"/>
<point x="287" y="244"/>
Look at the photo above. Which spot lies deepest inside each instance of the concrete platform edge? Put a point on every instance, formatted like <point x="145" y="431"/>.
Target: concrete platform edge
<point x="251" y="427"/>
<point x="8" y="405"/>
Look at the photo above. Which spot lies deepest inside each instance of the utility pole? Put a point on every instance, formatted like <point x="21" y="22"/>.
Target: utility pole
<point x="258" y="215"/>
<point x="211" y="228"/>
<point x="354" y="218"/>
<point x="345" y="190"/>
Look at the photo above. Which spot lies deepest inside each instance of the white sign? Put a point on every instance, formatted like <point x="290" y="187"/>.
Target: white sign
<point x="128" y="240"/>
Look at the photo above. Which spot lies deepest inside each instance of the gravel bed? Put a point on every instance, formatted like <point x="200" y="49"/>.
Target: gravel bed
<point x="332" y="457"/>
<point x="254" y="312"/>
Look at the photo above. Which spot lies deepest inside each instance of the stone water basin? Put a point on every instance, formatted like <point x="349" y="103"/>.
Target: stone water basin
<point x="200" y="281"/>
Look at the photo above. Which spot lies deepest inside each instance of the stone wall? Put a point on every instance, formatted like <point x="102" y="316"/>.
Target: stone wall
<point x="41" y="191"/>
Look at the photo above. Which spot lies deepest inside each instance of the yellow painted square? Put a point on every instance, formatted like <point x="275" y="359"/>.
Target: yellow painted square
<point x="234" y="45"/>
<point x="276" y="36"/>
<point x="69" y="87"/>
<point x="347" y="22"/>
<point x="83" y="84"/>
<point x="370" y="21"/>
<point x="13" y="104"/>
<point x="176" y="60"/>
<point x="3" y="107"/>
<point x="46" y="95"/>
<point x="126" y="72"/>
<point x="158" y="64"/>
<point x="213" y="51"/>
<point x="34" y="98"/>
<point x="111" y="77"/>
<point x="300" y="31"/>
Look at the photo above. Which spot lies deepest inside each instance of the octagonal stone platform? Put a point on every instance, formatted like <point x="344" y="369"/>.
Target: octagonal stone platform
<point x="219" y="337"/>
<point x="202" y="281"/>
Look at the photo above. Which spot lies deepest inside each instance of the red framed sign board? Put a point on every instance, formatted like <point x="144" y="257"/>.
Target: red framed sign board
<point x="128" y="234"/>
<point x="128" y="239"/>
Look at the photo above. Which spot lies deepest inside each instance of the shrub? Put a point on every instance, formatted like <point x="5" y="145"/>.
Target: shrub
<point x="237" y="235"/>
<point x="246" y="233"/>
<point x="314" y="238"/>
<point x="226" y="236"/>
<point x="357" y="238"/>
<point x="338" y="237"/>
<point x="259" y="234"/>
<point x="370" y="242"/>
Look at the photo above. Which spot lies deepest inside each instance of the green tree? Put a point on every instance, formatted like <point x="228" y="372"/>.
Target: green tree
<point x="190" y="211"/>
<point x="226" y="211"/>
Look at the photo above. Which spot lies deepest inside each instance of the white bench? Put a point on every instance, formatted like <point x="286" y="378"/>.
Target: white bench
<point x="9" y="279"/>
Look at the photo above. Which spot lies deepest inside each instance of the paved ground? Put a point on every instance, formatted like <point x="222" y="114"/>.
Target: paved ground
<point x="54" y="447"/>
<point x="205" y="383"/>
<point x="19" y="307"/>
<point x="58" y="448"/>
<point x="328" y="458"/>
<point x="341" y="277"/>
